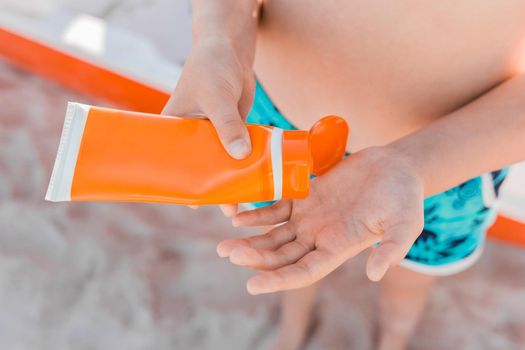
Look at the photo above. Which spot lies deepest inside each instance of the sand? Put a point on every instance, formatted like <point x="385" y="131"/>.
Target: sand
<point x="134" y="276"/>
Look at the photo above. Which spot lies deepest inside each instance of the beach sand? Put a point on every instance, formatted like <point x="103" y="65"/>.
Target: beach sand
<point x="135" y="276"/>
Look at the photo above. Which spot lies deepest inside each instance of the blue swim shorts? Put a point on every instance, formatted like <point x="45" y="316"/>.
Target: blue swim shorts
<point x="455" y="220"/>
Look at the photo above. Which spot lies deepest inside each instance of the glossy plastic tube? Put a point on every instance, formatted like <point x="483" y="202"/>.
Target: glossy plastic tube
<point x="113" y="155"/>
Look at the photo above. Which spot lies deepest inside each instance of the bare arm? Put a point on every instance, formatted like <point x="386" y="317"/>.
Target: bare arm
<point x="232" y="21"/>
<point x="217" y="80"/>
<point x="485" y="135"/>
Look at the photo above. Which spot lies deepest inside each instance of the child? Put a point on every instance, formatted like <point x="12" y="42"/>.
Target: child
<point x="435" y="97"/>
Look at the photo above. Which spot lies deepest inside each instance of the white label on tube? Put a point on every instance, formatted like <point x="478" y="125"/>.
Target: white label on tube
<point x="276" y="144"/>
<point x="59" y="188"/>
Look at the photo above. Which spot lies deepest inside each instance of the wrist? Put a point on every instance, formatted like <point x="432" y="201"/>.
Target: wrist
<point x="407" y="162"/>
<point x="241" y="47"/>
<point x="217" y="46"/>
<point x="393" y="162"/>
<point x="233" y="20"/>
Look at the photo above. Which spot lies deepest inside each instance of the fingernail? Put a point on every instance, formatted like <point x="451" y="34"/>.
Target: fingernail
<point x="239" y="149"/>
<point x="251" y="289"/>
<point x="238" y="256"/>
<point x="258" y="285"/>
<point x="377" y="274"/>
<point x="222" y="250"/>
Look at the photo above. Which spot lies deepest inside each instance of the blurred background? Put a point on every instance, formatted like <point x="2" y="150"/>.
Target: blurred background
<point x="134" y="276"/>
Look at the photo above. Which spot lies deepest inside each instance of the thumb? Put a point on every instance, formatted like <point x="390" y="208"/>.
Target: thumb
<point x="224" y="114"/>
<point x="393" y="248"/>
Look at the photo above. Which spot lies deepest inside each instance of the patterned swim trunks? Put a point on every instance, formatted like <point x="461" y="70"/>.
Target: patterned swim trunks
<point x="455" y="220"/>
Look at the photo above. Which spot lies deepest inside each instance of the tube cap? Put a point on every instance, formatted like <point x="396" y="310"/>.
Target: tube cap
<point x="311" y="152"/>
<point x="328" y="139"/>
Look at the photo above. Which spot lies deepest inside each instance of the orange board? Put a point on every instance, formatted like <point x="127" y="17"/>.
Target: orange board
<point x="508" y="230"/>
<point x="80" y="75"/>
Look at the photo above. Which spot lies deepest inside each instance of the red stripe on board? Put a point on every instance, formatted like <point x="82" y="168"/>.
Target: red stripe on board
<point x="80" y="75"/>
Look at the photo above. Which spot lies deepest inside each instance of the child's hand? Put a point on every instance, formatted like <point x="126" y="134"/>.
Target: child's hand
<point x="218" y="83"/>
<point x="372" y="196"/>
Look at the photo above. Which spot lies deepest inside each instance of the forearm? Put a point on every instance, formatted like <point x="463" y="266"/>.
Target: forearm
<point x="485" y="135"/>
<point x="231" y="21"/>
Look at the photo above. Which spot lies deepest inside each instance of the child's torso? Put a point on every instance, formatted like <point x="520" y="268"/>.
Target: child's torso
<point x="389" y="67"/>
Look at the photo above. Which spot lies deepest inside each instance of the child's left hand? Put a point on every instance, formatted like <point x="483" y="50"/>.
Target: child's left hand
<point x="372" y="196"/>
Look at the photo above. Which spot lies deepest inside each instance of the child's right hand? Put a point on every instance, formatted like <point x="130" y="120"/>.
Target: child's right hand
<point x="217" y="81"/>
<point x="375" y="195"/>
<point x="218" y="84"/>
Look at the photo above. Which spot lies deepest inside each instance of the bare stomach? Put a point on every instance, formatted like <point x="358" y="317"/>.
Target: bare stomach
<point x="388" y="67"/>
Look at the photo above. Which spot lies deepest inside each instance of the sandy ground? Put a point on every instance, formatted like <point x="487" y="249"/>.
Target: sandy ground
<point x="131" y="276"/>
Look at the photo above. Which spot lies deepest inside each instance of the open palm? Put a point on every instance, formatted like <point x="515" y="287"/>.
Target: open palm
<point x="368" y="198"/>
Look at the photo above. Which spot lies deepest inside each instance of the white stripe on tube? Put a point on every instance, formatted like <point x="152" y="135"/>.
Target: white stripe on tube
<point x="276" y="148"/>
<point x="59" y="188"/>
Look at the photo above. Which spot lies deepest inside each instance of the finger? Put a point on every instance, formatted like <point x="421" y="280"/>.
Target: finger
<point x="394" y="247"/>
<point x="168" y="107"/>
<point x="263" y="259"/>
<point x="270" y="240"/>
<point x="181" y="106"/>
<point x="222" y="109"/>
<point x="270" y="215"/>
<point x="311" y="268"/>
<point x="248" y="92"/>
<point x="228" y="209"/>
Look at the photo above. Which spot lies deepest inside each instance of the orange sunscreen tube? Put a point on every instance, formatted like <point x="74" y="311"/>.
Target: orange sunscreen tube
<point x="113" y="155"/>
